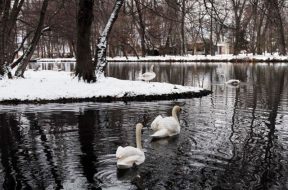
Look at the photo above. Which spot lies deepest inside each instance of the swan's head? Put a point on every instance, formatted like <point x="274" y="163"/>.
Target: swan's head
<point x="177" y="109"/>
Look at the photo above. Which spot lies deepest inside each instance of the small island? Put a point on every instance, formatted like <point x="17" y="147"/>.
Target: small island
<point x="52" y="86"/>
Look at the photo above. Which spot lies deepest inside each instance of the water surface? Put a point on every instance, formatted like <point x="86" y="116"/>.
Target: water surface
<point x="235" y="138"/>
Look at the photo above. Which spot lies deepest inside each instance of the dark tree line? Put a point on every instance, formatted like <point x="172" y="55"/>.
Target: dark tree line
<point x="144" y="27"/>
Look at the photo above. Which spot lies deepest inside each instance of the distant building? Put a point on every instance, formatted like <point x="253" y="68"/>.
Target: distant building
<point x="200" y="48"/>
<point x="196" y="48"/>
<point x="223" y="48"/>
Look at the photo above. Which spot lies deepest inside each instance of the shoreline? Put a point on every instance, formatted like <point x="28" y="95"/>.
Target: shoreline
<point x="46" y="86"/>
<point x="243" y="58"/>
<point x="109" y="99"/>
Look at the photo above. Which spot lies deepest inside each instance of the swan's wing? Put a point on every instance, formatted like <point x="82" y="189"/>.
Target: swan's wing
<point x="161" y="133"/>
<point x="123" y="152"/>
<point x="148" y="75"/>
<point x="129" y="155"/>
<point x="171" y="124"/>
<point x="154" y="124"/>
<point x="128" y="162"/>
<point x="119" y="152"/>
<point x="140" y="77"/>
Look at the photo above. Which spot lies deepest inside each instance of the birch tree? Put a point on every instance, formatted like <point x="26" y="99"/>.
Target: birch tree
<point x="87" y="69"/>
<point x="100" y="57"/>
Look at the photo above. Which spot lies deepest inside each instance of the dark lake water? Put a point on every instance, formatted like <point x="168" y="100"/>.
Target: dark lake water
<point x="235" y="138"/>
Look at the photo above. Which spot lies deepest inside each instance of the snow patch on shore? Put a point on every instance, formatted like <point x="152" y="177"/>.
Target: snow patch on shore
<point x="53" y="85"/>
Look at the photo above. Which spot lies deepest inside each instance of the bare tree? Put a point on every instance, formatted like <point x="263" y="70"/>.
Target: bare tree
<point x="238" y="7"/>
<point x="275" y="7"/>
<point x="183" y="15"/>
<point x="100" y="56"/>
<point x="9" y="12"/>
<point x="24" y="60"/>
<point x="138" y="20"/>
<point x="84" y="65"/>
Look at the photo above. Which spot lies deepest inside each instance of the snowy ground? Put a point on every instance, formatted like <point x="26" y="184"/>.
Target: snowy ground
<point x="53" y="85"/>
<point x="225" y="58"/>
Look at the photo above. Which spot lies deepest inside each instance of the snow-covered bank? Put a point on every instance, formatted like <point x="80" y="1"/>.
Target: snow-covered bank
<point x="189" y="58"/>
<point x="51" y="86"/>
<point x="203" y="58"/>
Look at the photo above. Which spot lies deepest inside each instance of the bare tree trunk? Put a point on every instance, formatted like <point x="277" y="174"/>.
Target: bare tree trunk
<point x="29" y="52"/>
<point x="183" y="13"/>
<point x="239" y="28"/>
<point x="261" y="43"/>
<point x="71" y="48"/>
<point x="280" y="28"/>
<point x="100" y="55"/>
<point x="211" y="32"/>
<point x="8" y="17"/>
<point x="84" y="64"/>
<point x="141" y="27"/>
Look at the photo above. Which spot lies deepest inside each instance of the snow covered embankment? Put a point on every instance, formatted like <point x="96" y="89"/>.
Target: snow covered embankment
<point x="52" y="86"/>
<point x="202" y="58"/>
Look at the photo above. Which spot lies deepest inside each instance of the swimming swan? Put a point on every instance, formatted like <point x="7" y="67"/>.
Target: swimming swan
<point x="147" y="76"/>
<point x="128" y="156"/>
<point x="166" y="126"/>
<point x="233" y="82"/>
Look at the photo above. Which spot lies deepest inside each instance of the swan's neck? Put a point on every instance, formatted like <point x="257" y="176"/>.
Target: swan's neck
<point x="174" y="114"/>
<point x="138" y="138"/>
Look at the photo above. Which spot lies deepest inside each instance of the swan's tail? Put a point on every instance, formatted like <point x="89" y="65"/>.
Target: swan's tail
<point x="119" y="152"/>
<point x="140" y="77"/>
<point x="154" y="124"/>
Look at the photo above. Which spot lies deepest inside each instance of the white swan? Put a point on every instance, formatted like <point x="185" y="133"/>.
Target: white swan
<point x="128" y="156"/>
<point x="167" y="126"/>
<point x="232" y="82"/>
<point x="147" y="76"/>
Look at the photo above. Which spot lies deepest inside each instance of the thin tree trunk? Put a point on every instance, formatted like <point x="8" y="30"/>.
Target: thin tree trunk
<point x="141" y="28"/>
<point x="279" y="26"/>
<point x="259" y="48"/>
<point x="29" y="52"/>
<point x="8" y="18"/>
<point x="183" y="13"/>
